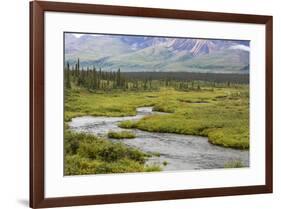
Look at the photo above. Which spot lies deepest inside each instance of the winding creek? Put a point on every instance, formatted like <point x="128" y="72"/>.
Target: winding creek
<point x="181" y="152"/>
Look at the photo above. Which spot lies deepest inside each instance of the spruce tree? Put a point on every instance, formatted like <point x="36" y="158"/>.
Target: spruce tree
<point x="67" y="76"/>
<point x="118" y="79"/>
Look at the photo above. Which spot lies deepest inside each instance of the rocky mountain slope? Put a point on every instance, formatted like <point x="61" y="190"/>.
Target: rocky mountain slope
<point x="140" y="53"/>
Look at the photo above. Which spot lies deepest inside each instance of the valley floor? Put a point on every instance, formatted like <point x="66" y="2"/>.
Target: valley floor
<point x="221" y="114"/>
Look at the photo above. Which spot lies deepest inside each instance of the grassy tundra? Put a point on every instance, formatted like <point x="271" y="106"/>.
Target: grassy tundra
<point x="219" y="111"/>
<point x="221" y="114"/>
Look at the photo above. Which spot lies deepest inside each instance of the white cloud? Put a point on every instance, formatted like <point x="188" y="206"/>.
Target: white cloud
<point x="241" y="47"/>
<point x="78" y="35"/>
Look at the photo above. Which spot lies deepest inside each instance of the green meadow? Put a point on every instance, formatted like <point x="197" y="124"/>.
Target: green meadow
<point x="216" y="110"/>
<point x="221" y="114"/>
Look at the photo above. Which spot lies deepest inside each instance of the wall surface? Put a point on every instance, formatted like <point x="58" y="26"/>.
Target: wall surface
<point x="14" y="81"/>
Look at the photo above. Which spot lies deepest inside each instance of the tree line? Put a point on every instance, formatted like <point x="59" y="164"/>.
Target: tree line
<point x="238" y="78"/>
<point x="92" y="78"/>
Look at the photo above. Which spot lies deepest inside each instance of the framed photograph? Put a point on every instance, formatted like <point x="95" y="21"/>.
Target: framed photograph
<point x="140" y="104"/>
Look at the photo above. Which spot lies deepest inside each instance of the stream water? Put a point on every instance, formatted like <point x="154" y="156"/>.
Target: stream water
<point x="181" y="152"/>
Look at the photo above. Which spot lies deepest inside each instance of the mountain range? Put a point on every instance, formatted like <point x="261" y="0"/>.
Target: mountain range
<point x="145" y="53"/>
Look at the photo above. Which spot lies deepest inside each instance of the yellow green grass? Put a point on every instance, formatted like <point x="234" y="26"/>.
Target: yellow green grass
<point x="221" y="114"/>
<point x="88" y="154"/>
<point x="234" y="164"/>
<point x="121" y="135"/>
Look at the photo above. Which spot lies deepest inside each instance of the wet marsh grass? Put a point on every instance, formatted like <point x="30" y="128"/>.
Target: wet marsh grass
<point x="121" y="135"/>
<point x="234" y="164"/>
<point x="88" y="154"/>
<point x="222" y="114"/>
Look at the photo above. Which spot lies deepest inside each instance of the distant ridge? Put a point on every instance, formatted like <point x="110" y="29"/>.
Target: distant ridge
<point x="154" y="54"/>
